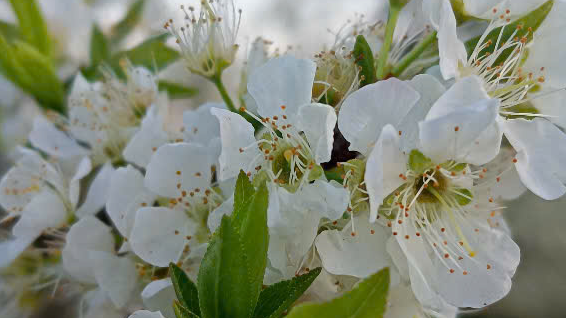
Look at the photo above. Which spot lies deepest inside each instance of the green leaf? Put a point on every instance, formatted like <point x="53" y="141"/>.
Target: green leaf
<point x="277" y="298"/>
<point x="418" y="162"/>
<point x="33" y="72"/>
<point x="250" y="220"/>
<point x="152" y="54"/>
<point x="182" y="312"/>
<point x="126" y="25"/>
<point x="32" y="26"/>
<point x="10" y="31"/>
<point x="99" y="47"/>
<point x="364" y="59"/>
<point x="223" y="280"/>
<point x="367" y="300"/>
<point x="530" y="21"/>
<point x="175" y="90"/>
<point x="463" y="196"/>
<point x="185" y="289"/>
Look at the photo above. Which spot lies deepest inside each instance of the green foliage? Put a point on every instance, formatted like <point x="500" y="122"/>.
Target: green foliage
<point x="364" y="59"/>
<point x="185" y="289"/>
<point x="33" y="72"/>
<point x="126" y="25"/>
<point x="367" y="300"/>
<point x="31" y="25"/>
<point x="152" y="54"/>
<point x="463" y="196"/>
<point x="527" y="24"/>
<point x="231" y="272"/>
<point x="183" y="312"/>
<point x="10" y="31"/>
<point x="277" y="298"/>
<point x="175" y="90"/>
<point x="99" y="46"/>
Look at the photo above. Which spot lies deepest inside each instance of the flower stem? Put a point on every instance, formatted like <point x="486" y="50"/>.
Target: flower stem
<point x="217" y="80"/>
<point x="382" y="67"/>
<point x="414" y="54"/>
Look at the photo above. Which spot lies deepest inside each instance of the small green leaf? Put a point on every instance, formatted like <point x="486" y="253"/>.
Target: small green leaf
<point x="9" y="31"/>
<point x="418" y="162"/>
<point x="151" y="54"/>
<point x="185" y="289"/>
<point x="277" y="298"/>
<point x="223" y="280"/>
<point x="182" y="312"/>
<point x="528" y="25"/>
<point x="250" y="221"/>
<point x="364" y="59"/>
<point x="367" y="300"/>
<point x="31" y="24"/>
<point x="126" y="25"/>
<point x="463" y="196"/>
<point x="99" y="47"/>
<point x="177" y="91"/>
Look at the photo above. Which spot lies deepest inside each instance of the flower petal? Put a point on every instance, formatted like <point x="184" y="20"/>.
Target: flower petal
<point x="215" y="217"/>
<point x="317" y="121"/>
<point x="159" y="235"/>
<point x="384" y="165"/>
<point x="47" y="138"/>
<point x="46" y="210"/>
<point x="157" y="296"/>
<point x="540" y="148"/>
<point x="201" y="126"/>
<point x="146" y="314"/>
<point x="469" y="134"/>
<point x="366" y="111"/>
<point x="87" y="235"/>
<point x="127" y="194"/>
<point x="330" y="199"/>
<point x="236" y="134"/>
<point x="283" y="81"/>
<point x="179" y="167"/>
<point x="451" y="50"/>
<point x="114" y="275"/>
<point x="145" y="142"/>
<point x="98" y="191"/>
<point x="358" y="251"/>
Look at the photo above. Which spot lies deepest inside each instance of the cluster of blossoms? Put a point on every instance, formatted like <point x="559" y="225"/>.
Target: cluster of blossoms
<point x="410" y="171"/>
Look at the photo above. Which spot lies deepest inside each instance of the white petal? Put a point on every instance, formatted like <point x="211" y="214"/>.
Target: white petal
<point x="46" y="137"/>
<point x="284" y="81"/>
<point x="200" y="125"/>
<point x="127" y="194"/>
<point x="317" y="121"/>
<point x="430" y="89"/>
<point x="484" y="8"/>
<point x="365" y="112"/>
<point x="157" y="296"/>
<point x="540" y="148"/>
<point x="451" y="49"/>
<point x="142" y="86"/>
<point x="146" y="314"/>
<point x="87" y="235"/>
<point x="469" y="134"/>
<point x="384" y="165"/>
<point x="97" y="192"/>
<point x="330" y="199"/>
<point x="83" y="168"/>
<point x="549" y="102"/>
<point x="235" y="133"/>
<point x="360" y="255"/>
<point x="46" y="210"/>
<point x="11" y="249"/>
<point x="114" y="275"/>
<point x="178" y="167"/>
<point x="146" y="141"/>
<point x="462" y="94"/>
<point x="215" y="217"/>
<point x="159" y="235"/>
<point x="507" y="184"/>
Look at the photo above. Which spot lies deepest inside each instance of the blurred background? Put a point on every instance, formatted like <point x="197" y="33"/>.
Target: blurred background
<point x="305" y="27"/>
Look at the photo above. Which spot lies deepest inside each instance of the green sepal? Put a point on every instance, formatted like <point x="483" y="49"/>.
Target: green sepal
<point x="177" y="91"/>
<point x="99" y="46"/>
<point x="418" y="162"/>
<point x="364" y="59"/>
<point x="367" y="300"/>
<point x="463" y="196"/>
<point x="183" y="312"/>
<point x="277" y="298"/>
<point x="530" y="21"/>
<point x="185" y="289"/>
